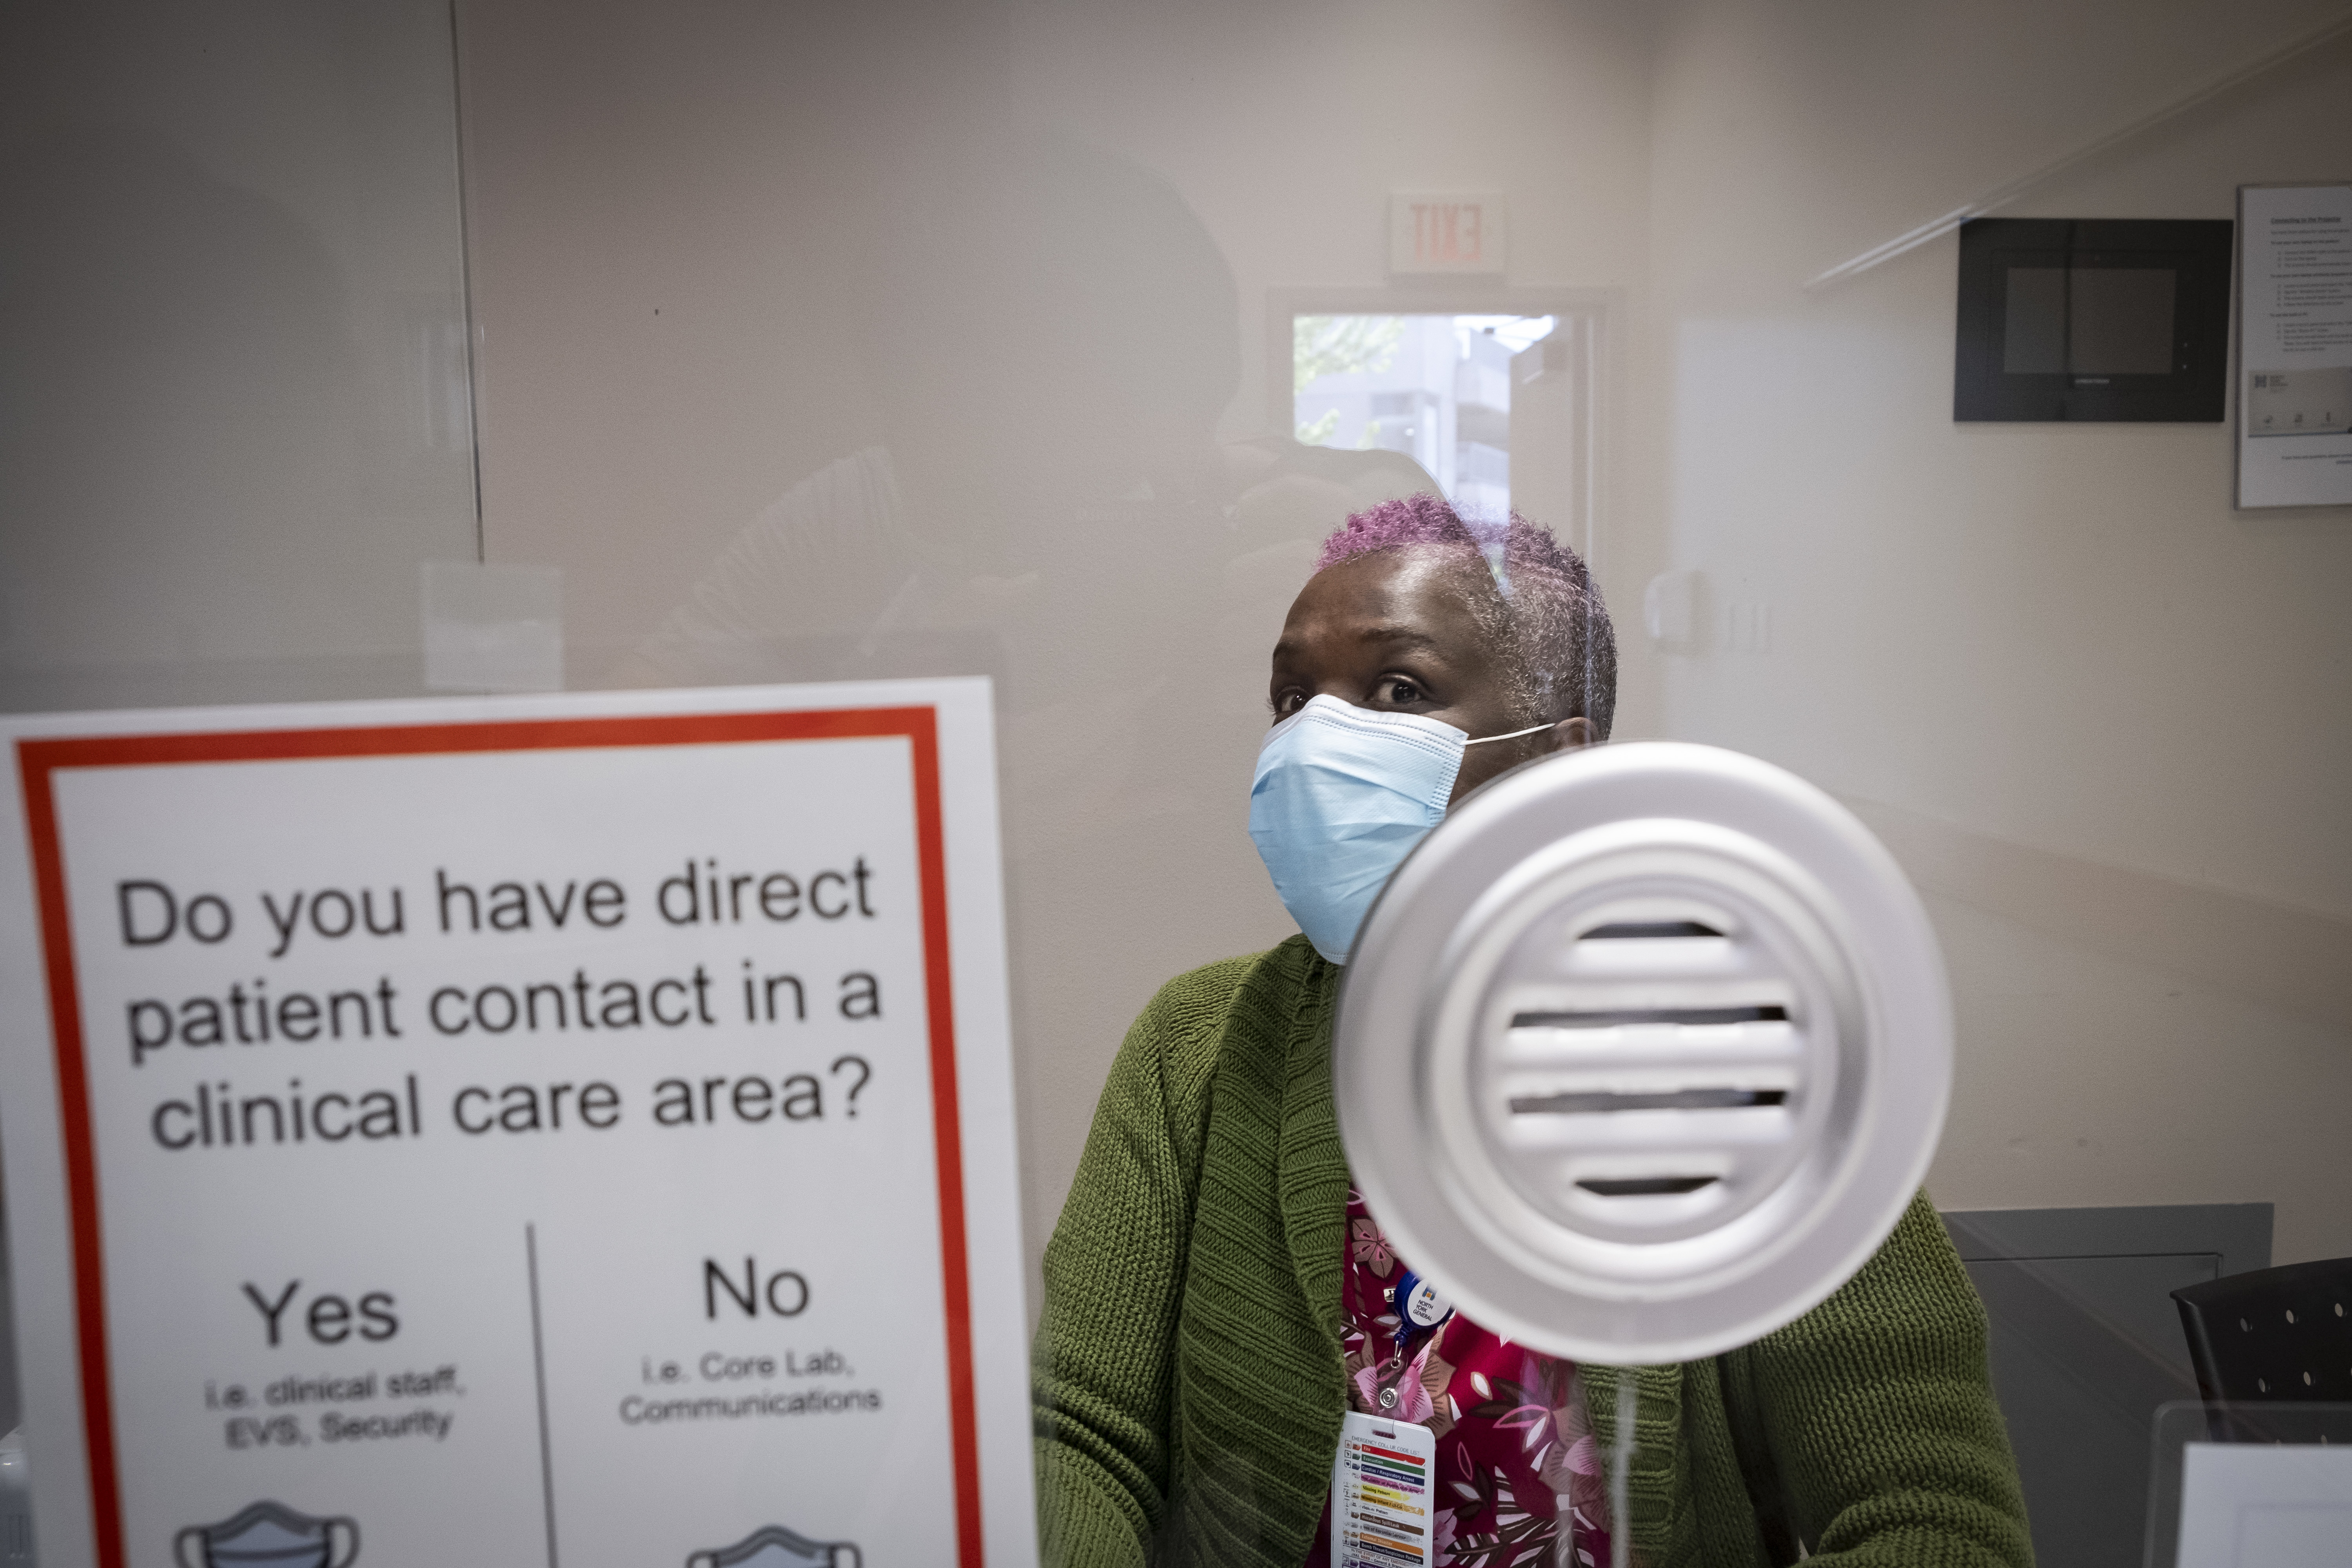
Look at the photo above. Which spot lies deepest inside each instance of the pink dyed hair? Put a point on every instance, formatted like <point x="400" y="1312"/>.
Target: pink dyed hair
<point x="1545" y="609"/>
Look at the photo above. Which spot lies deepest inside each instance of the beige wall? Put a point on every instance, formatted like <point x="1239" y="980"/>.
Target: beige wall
<point x="720" y="248"/>
<point x="2110" y="714"/>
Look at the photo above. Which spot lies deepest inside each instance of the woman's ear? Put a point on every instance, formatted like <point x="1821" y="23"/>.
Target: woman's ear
<point x="1569" y="734"/>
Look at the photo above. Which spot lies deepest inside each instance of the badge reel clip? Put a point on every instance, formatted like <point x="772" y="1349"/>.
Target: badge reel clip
<point x="1420" y="1309"/>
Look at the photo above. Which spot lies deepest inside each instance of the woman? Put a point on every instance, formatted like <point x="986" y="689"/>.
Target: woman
<point x="1216" y="1295"/>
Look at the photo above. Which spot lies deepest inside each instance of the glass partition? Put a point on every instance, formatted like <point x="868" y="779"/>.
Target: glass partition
<point x="1050" y="340"/>
<point x="234" y="366"/>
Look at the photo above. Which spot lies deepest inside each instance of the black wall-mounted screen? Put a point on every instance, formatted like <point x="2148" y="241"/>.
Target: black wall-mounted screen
<point x="2062" y="319"/>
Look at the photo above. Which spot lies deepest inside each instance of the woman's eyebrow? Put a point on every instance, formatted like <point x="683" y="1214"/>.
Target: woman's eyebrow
<point x="1387" y="634"/>
<point x="1399" y="637"/>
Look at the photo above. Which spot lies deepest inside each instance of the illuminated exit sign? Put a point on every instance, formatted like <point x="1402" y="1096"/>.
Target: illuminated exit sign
<point x="1441" y="233"/>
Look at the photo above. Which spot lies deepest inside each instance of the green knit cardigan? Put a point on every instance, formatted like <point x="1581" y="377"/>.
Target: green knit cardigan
<point x="1187" y="1379"/>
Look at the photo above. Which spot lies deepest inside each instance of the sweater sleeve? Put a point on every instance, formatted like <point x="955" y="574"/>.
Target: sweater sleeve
<point x="1102" y="1368"/>
<point x="1878" y="1413"/>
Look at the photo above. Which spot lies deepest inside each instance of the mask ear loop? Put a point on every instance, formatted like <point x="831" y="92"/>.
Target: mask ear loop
<point x="1512" y="736"/>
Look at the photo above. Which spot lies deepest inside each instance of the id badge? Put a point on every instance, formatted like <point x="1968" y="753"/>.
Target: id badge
<point x="1382" y="1495"/>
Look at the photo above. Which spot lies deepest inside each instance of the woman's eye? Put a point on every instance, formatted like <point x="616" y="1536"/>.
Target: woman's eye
<point x="1398" y="689"/>
<point x="1287" y="704"/>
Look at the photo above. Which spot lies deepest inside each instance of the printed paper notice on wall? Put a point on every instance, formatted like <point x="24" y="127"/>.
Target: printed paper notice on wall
<point x="2294" y="345"/>
<point x="566" y="1130"/>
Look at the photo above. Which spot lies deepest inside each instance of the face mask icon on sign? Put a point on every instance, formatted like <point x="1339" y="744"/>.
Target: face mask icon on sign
<point x="268" y="1535"/>
<point x="773" y="1546"/>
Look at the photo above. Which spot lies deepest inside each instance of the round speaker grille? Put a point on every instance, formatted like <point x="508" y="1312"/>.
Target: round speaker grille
<point x="1643" y="1051"/>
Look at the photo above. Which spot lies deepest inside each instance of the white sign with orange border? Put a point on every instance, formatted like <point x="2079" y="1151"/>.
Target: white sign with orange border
<point x="572" y="1129"/>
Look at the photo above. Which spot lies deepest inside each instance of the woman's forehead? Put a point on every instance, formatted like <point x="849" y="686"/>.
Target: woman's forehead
<point x="1395" y="601"/>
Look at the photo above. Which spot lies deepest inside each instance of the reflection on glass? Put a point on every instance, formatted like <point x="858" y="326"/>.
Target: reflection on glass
<point x="234" y="330"/>
<point x="2087" y="321"/>
<point x="1026" y="464"/>
<point x="1435" y="388"/>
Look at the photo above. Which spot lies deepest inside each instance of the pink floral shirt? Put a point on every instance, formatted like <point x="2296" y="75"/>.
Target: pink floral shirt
<point x="1515" y="1458"/>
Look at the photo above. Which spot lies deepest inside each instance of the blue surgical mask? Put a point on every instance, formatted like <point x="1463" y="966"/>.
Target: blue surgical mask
<point x="1340" y="798"/>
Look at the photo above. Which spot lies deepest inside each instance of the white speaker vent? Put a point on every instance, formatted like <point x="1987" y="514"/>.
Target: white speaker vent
<point x="1644" y="1066"/>
<point x="1613" y="1050"/>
